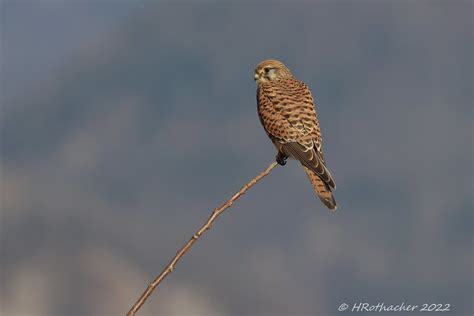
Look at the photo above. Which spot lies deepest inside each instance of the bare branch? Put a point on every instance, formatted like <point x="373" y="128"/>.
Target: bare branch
<point x="215" y="214"/>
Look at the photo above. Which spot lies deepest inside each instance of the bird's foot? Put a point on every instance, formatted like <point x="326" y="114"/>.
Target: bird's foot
<point x="281" y="159"/>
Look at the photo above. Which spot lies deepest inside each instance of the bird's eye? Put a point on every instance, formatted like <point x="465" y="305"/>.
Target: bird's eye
<point x="267" y="69"/>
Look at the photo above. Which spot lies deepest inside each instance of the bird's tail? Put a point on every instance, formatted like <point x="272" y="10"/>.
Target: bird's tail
<point x="321" y="189"/>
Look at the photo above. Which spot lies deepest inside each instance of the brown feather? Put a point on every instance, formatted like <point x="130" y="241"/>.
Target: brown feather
<point x="321" y="189"/>
<point x="287" y="112"/>
<point x="311" y="160"/>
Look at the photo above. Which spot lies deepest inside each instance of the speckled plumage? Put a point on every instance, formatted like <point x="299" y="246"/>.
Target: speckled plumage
<point x="286" y="111"/>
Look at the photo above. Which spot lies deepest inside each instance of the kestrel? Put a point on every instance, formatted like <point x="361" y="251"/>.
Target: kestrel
<point x="286" y="111"/>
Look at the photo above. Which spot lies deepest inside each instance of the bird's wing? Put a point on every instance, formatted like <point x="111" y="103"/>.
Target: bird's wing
<point x="310" y="158"/>
<point x="287" y="112"/>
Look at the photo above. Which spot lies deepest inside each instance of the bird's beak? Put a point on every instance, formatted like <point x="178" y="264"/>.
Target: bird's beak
<point x="256" y="77"/>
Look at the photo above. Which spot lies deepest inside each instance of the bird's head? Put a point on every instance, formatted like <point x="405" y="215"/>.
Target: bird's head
<point x="269" y="70"/>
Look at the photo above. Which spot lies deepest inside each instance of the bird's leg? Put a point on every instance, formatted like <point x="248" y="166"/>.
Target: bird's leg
<point x="281" y="158"/>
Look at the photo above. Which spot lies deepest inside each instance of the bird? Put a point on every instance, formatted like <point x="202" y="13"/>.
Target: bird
<point x="287" y="112"/>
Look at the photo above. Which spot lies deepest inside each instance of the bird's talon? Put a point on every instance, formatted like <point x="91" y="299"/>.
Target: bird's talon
<point x="281" y="160"/>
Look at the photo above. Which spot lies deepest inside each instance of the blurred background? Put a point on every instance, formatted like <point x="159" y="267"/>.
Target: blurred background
<point x="123" y="124"/>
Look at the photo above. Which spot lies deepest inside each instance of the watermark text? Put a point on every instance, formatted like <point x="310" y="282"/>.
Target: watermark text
<point x="402" y="307"/>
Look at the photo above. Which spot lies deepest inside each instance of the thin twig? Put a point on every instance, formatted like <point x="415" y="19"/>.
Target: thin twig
<point x="215" y="214"/>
